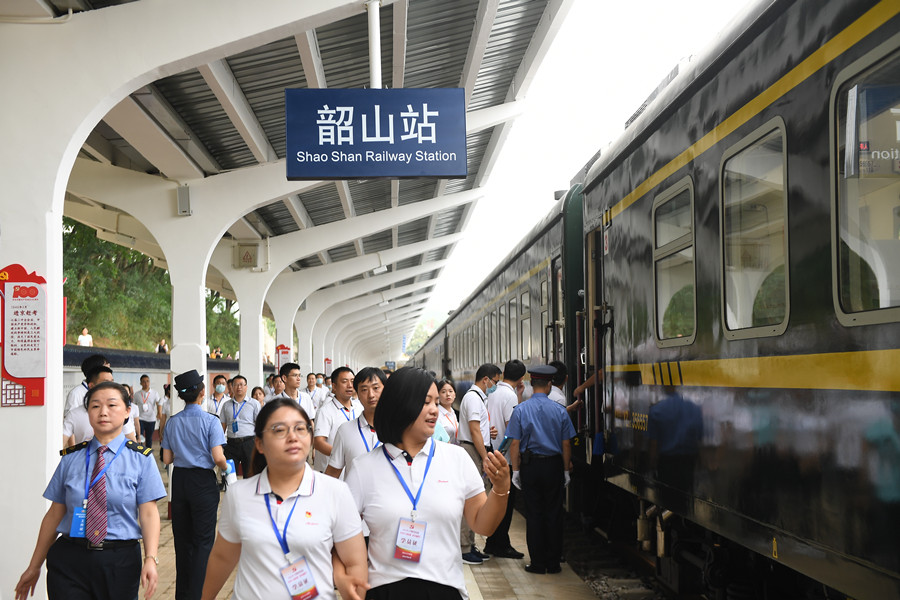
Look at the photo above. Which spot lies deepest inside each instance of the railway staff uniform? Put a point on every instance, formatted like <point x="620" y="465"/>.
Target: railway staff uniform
<point x="542" y="431"/>
<point x="238" y="417"/>
<point x="193" y="443"/>
<point x="103" y="496"/>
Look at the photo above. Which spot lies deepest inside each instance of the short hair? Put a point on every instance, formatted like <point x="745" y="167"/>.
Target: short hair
<point x="366" y="375"/>
<point x="95" y="373"/>
<point x="487" y="370"/>
<point x="257" y="460"/>
<point x="253" y="392"/>
<point x="92" y="362"/>
<point x="239" y="376"/>
<point x="286" y="369"/>
<point x="401" y="402"/>
<point x="337" y="372"/>
<point x="107" y="385"/>
<point x="142" y="377"/>
<point x="514" y="370"/>
<point x="308" y="374"/>
<point x="562" y="372"/>
<point x="322" y="375"/>
<point x="220" y="376"/>
<point x="445" y="382"/>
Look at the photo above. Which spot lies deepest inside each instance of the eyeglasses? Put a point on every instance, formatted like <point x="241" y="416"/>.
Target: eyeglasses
<point x="280" y="431"/>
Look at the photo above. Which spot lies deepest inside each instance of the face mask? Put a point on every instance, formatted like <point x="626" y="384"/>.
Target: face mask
<point x="492" y="389"/>
<point x="319" y="381"/>
<point x="329" y="387"/>
<point x="220" y="389"/>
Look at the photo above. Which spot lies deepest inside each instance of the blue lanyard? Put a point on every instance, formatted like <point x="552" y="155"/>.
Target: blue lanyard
<point x="415" y="501"/>
<point x="88" y="484"/>
<point x="377" y="443"/>
<point x="282" y="537"/>
<point x="215" y="404"/>
<point x="344" y="411"/>
<point x="235" y="414"/>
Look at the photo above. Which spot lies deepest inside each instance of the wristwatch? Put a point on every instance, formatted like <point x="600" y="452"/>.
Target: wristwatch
<point x="155" y="559"/>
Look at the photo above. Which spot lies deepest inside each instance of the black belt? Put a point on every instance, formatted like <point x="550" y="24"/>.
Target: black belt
<point x="104" y="545"/>
<point x="542" y="456"/>
<point x="240" y="440"/>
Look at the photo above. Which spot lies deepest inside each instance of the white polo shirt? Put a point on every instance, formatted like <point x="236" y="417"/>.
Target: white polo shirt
<point x="244" y="413"/>
<point x="472" y="408"/>
<point x="332" y="415"/>
<point x="78" y="423"/>
<point x="325" y="514"/>
<point x="449" y="422"/>
<point x="76" y="397"/>
<point x="500" y="406"/>
<point x="214" y="407"/>
<point x="354" y="438"/>
<point x="303" y="400"/>
<point x="451" y="480"/>
<point x="557" y="396"/>
<point x="146" y="403"/>
<point x="130" y="425"/>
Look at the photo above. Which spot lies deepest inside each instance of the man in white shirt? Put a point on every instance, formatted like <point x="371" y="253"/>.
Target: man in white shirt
<point x="556" y="390"/>
<point x="500" y="407"/>
<point x="316" y="394"/>
<point x="474" y="436"/>
<point x="149" y="410"/>
<point x="357" y="437"/>
<point x="277" y="388"/>
<point x="214" y="403"/>
<point x="292" y="377"/>
<point x="238" y="419"/>
<point x="77" y="394"/>
<point x="336" y="411"/>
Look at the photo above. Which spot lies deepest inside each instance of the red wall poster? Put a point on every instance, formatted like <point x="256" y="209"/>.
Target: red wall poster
<point x="23" y="361"/>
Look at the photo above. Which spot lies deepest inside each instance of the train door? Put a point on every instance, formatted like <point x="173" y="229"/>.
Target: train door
<point x="599" y="345"/>
<point x="556" y="331"/>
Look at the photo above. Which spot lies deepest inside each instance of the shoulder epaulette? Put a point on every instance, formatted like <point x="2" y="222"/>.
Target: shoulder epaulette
<point x="74" y="448"/>
<point x="140" y="448"/>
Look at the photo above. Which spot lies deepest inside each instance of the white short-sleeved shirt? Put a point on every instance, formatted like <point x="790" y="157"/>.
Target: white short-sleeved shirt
<point x="472" y="408"/>
<point x="354" y="438"/>
<point x="500" y="406"/>
<point x="332" y="415"/>
<point x="76" y="397"/>
<point x="244" y="413"/>
<point x="303" y="400"/>
<point x="78" y="424"/>
<point x="449" y="422"/>
<point x="325" y="514"/>
<point x="130" y="426"/>
<point x="146" y="403"/>
<point x="557" y="396"/>
<point x="213" y="406"/>
<point x="382" y="502"/>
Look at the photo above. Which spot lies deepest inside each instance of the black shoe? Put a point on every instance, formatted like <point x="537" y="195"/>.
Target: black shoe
<point x="535" y="569"/>
<point x="508" y="552"/>
<point x="483" y="556"/>
<point x="554" y="569"/>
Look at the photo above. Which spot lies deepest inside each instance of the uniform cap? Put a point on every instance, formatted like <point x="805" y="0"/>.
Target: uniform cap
<point x="545" y="372"/>
<point x="187" y="380"/>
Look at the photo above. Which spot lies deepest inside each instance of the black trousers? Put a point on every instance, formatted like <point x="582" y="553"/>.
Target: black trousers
<point x="147" y="429"/>
<point x="77" y="573"/>
<point x="499" y="540"/>
<point x="195" y="503"/>
<point x="543" y="487"/>
<point x="408" y="588"/>
<point x="240" y="450"/>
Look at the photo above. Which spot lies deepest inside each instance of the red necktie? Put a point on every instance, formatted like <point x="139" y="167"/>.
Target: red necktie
<point x="95" y="523"/>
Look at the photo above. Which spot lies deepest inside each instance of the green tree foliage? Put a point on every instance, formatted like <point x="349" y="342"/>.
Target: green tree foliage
<point x="418" y="339"/>
<point x="117" y="293"/>
<point x="223" y="327"/>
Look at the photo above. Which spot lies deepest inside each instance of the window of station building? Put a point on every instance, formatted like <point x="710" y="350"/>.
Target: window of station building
<point x="673" y="265"/>
<point x="866" y="248"/>
<point x="502" y="332"/>
<point x="754" y="239"/>
<point x="514" y="344"/>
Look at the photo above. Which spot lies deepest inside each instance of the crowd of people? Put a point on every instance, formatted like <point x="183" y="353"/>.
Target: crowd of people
<point x="391" y="483"/>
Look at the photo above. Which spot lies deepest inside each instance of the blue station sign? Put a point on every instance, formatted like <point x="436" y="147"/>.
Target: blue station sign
<point x="364" y="134"/>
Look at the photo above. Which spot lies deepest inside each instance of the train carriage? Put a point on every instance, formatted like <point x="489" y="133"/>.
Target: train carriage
<point x="742" y="243"/>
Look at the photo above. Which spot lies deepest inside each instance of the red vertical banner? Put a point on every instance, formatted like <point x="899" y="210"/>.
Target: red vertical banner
<point x="282" y="355"/>
<point x="328" y="367"/>
<point x="23" y="360"/>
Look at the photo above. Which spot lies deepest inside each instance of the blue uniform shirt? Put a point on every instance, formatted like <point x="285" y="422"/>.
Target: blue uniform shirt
<point x="131" y="480"/>
<point x="540" y="425"/>
<point x="191" y="435"/>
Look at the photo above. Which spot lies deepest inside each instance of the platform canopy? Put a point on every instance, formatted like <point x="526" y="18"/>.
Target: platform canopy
<point x="227" y="116"/>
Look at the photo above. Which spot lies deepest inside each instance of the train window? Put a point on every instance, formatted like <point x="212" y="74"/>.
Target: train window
<point x="525" y="304"/>
<point x="514" y="344"/>
<point x="673" y="265"/>
<point x="544" y="294"/>
<point x="501" y="332"/>
<point x="866" y="252"/>
<point x="545" y="324"/>
<point x="526" y="339"/>
<point x="754" y="240"/>
<point x="495" y="338"/>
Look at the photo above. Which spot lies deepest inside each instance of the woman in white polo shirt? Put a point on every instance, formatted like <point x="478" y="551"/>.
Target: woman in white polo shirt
<point x="280" y="525"/>
<point x="448" y="419"/>
<point x="414" y="492"/>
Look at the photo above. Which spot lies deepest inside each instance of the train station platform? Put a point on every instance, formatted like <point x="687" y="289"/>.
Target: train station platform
<point x="495" y="579"/>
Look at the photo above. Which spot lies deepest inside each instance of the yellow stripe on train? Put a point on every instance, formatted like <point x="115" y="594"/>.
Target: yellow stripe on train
<point x="874" y="370"/>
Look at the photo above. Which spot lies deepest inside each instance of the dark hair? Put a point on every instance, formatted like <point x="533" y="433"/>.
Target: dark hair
<point x="487" y="370"/>
<point x="322" y="374"/>
<point x="514" y="370"/>
<point x="561" y="372"/>
<point x="106" y="385"/>
<point x="142" y="377"/>
<point x="220" y="376"/>
<point x="253" y="391"/>
<point x="308" y="374"/>
<point x="95" y="373"/>
<point x="366" y="375"/>
<point x="337" y="372"/>
<point x="443" y="382"/>
<point x="258" y="460"/>
<point x="92" y="362"/>
<point x="286" y="368"/>
<point x="239" y="377"/>
<point x="191" y="394"/>
<point x="401" y="402"/>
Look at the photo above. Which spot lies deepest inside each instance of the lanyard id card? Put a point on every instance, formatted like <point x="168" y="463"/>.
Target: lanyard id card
<point x="78" y="518"/>
<point x="410" y="539"/>
<point x="299" y="580"/>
